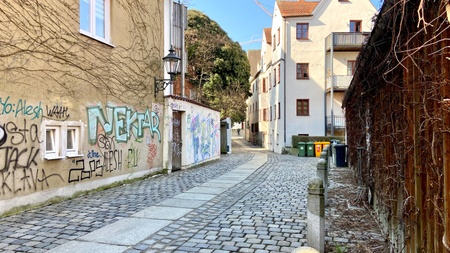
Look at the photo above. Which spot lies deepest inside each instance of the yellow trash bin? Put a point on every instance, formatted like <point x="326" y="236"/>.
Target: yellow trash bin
<point x="318" y="148"/>
<point x="325" y="143"/>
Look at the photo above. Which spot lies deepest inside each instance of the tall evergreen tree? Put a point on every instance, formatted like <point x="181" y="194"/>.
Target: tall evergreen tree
<point x="217" y="67"/>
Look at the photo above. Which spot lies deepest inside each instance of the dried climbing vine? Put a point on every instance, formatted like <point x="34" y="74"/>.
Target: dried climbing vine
<point x="395" y="113"/>
<point x="41" y="41"/>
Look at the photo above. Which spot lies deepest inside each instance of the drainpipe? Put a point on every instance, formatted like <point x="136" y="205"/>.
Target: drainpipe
<point x="284" y="83"/>
<point x="325" y="91"/>
<point x="170" y="28"/>
<point x="182" y="52"/>
<point x="169" y="23"/>
<point x="332" y="84"/>
<point x="167" y="130"/>
<point x="168" y="40"/>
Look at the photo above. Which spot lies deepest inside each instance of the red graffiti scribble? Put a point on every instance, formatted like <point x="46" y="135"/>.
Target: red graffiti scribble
<point x="152" y="151"/>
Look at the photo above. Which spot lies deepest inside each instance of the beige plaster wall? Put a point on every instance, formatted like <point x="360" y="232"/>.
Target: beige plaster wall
<point x="53" y="76"/>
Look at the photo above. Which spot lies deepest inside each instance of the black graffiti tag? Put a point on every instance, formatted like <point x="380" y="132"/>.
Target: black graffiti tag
<point x="3" y="136"/>
<point x="58" y="113"/>
<point x="19" y="135"/>
<point x="16" y="158"/>
<point x="24" y="179"/>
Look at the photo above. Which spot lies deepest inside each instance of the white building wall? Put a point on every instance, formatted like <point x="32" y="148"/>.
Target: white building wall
<point x="200" y="132"/>
<point x="253" y="109"/>
<point x="263" y="104"/>
<point x="340" y="60"/>
<point x="329" y="16"/>
<point x="264" y="98"/>
<point x="276" y="93"/>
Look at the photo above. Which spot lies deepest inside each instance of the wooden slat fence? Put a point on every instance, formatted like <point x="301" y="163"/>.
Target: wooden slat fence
<point x="398" y="119"/>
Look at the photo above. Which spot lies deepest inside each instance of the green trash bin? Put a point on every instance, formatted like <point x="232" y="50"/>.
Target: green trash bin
<point x="301" y="149"/>
<point x="310" y="149"/>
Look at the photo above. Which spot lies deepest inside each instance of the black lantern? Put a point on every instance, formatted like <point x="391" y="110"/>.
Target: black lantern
<point x="171" y="63"/>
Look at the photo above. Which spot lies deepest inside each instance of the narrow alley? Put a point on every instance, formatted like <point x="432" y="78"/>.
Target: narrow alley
<point x="249" y="201"/>
<point x="212" y="207"/>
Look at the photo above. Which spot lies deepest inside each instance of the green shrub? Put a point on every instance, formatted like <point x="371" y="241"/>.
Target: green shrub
<point x="296" y="139"/>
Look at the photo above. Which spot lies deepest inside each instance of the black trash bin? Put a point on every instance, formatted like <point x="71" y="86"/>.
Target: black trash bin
<point x="332" y="150"/>
<point x="341" y="155"/>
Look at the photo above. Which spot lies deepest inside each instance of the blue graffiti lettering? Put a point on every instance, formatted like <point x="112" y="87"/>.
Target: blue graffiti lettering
<point x="93" y="154"/>
<point x="122" y="122"/>
<point x="20" y="108"/>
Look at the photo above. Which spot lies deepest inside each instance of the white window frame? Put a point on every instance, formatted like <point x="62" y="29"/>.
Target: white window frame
<point x="56" y="140"/>
<point x="75" y="150"/>
<point x="60" y="139"/>
<point x="91" y="33"/>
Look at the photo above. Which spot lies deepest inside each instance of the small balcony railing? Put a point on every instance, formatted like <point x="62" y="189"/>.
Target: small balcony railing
<point x="338" y="121"/>
<point x="346" y="40"/>
<point x="340" y="82"/>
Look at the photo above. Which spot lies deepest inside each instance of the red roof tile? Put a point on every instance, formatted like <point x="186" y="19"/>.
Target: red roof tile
<point x="297" y="9"/>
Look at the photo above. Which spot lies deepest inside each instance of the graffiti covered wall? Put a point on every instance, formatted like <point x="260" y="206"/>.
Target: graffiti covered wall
<point x="20" y="148"/>
<point x="203" y="136"/>
<point x="201" y="132"/>
<point x="41" y="148"/>
<point x="76" y="110"/>
<point x="123" y="139"/>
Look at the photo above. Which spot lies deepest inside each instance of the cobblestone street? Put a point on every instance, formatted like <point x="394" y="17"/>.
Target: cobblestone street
<point x="249" y="201"/>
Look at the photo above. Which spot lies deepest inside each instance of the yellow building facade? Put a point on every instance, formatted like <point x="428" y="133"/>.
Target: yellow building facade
<point x="77" y="109"/>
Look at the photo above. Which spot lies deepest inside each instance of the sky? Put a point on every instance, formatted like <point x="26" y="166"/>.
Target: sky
<point x="243" y="20"/>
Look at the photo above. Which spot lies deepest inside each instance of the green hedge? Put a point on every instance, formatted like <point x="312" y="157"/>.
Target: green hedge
<point x="296" y="139"/>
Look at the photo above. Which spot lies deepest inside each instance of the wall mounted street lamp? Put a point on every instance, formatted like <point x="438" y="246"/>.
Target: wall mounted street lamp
<point x="171" y="63"/>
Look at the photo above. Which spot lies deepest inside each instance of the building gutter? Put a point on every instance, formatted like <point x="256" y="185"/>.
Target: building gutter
<point x="284" y="83"/>
<point x="332" y="84"/>
<point x="325" y="91"/>
<point x="183" y="23"/>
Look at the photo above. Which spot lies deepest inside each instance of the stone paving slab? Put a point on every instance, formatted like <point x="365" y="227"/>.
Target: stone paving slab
<point x="196" y="196"/>
<point x="230" y="182"/>
<point x="88" y="247"/>
<point x="127" y="231"/>
<point x="219" y="185"/>
<point x="236" y="178"/>
<point x="162" y="213"/>
<point x="207" y="190"/>
<point x="186" y="203"/>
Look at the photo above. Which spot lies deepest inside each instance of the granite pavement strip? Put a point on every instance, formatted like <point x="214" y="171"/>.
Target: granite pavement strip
<point x="249" y="201"/>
